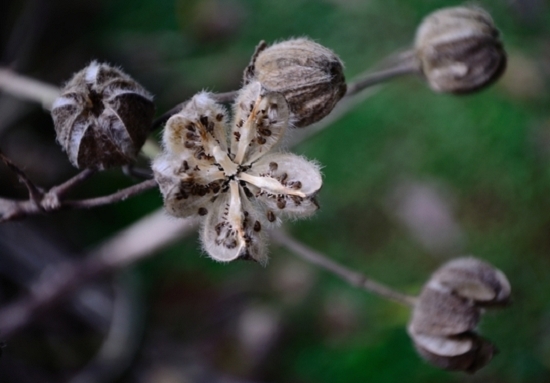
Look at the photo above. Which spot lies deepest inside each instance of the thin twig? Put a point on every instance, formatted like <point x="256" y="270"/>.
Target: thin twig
<point x="35" y="194"/>
<point x="119" y="196"/>
<point x="369" y="79"/>
<point x="51" y="201"/>
<point x="62" y="189"/>
<point x="352" y="277"/>
<point x="139" y="173"/>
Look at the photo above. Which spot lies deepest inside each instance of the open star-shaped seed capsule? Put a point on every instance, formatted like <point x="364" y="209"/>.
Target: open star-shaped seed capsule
<point x="230" y="174"/>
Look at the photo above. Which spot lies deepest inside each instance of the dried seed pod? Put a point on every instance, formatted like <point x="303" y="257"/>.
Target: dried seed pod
<point x="448" y="310"/>
<point x="102" y="117"/>
<point x="309" y="75"/>
<point x="459" y="50"/>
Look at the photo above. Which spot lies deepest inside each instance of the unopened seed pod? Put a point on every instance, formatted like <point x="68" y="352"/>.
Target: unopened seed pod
<point x="310" y="77"/>
<point x="102" y="117"/>
<point x="459" y="50"/>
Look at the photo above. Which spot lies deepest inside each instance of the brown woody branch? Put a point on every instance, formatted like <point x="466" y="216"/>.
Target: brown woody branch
<point x="41" y="201"/>
<point x="51" y="201"/>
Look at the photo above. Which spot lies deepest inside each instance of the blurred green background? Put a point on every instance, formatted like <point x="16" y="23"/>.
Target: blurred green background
<point x="411" y="179"/>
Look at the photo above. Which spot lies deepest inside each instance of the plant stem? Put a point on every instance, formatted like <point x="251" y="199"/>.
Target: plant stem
<point x="352" y="277"/>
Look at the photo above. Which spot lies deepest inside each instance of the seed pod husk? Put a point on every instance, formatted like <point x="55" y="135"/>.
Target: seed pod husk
<point x="448" y="310"/>
<point x="102" y="117"/>
<point x="459" y="50"/>
<point x="310" y="77"/>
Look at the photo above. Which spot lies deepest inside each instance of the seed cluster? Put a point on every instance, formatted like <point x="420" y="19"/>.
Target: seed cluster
<point x="223" y="171"/>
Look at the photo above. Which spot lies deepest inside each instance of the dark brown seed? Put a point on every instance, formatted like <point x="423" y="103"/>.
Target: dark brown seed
<point x="237" y="136"/>
<point x="283" y="178"/>
<point x="191" y="127"/>
<point x="189" y="144"/>
<point x="185" y="166"/>
<point x="261" y="140"/>
<point x="247" y="192"/>
<point x="203" y="211"/>
<point x="219" y="117"/>
<point x="265" y="132"/>
<point x="270" y="216"/>
<point x="296" y="199"/>
<point x="297" y="185"/>
<point x="231" y="244"/>
<point x="273" y="166"/>
<point x="257" y="226"/>
<point x="204" y="120"/>
<point x="240" y="123"/>
<point x="281" y="204"/>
